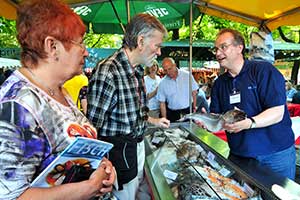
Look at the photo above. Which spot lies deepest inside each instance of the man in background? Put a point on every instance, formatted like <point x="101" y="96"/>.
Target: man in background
<point x="173" y="91"/>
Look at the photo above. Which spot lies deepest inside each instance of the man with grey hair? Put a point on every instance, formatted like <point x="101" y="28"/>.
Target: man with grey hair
<point x="117" y="100"/>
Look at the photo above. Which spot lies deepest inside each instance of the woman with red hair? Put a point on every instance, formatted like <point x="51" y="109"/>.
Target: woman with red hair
<point x="36" y="113"/>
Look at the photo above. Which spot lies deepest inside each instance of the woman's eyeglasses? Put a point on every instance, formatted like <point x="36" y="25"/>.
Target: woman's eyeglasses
<point x="80" y="44"/>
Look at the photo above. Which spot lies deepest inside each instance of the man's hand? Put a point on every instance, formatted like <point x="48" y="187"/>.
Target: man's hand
<point x="200" y="123"/>
<point x="161" y="122"/>
<point x="238" y="126"/>
<point x="195" y="109"/>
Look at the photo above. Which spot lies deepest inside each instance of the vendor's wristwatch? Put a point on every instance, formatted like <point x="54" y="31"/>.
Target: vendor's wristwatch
<point x="253" y="123"/>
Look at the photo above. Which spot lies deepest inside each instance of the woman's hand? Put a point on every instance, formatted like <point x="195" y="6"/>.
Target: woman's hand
<point x="109" y="169"/>
<point x="103" y="177"/>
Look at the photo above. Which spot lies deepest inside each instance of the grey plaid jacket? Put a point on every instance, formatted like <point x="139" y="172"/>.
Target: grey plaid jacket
<point x="116" y="96"/>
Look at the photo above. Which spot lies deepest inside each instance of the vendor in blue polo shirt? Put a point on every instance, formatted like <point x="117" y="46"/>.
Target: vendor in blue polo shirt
<point x="257" y="88"/>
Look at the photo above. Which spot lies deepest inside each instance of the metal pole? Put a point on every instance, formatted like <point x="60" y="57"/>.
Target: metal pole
<point x="118" y="17"/>
<point x="191" y="54"/>
<point x="128" y="11"/>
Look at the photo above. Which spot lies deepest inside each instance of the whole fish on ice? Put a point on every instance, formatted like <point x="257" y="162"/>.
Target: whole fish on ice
<point x="214" y="122"/>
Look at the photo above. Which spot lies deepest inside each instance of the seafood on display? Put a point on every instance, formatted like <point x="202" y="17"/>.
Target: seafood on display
<point x="226" y="187"/>
<point x="187" y="187"/>
<point x="191" y="151"/>
<point x="198" y="174"/>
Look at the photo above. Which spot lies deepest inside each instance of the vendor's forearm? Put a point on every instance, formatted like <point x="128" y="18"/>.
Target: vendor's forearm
<point x="269" y="117"/>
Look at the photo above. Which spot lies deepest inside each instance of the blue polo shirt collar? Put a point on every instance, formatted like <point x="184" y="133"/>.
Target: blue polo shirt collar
<point x="244" y="69"/>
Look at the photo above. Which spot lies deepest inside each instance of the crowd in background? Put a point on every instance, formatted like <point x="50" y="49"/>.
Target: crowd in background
<point x="292" y="92"/>
<point x="152" y="77"/>
<point x="77" y="86"/>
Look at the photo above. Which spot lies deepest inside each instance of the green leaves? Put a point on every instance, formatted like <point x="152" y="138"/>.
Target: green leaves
<point x="8" y="33"/>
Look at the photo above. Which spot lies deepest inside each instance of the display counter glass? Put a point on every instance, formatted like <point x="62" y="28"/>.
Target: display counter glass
<point x="181" y="164"/>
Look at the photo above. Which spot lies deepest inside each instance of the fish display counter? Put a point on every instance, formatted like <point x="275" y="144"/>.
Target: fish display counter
<point x="187" y="162"/>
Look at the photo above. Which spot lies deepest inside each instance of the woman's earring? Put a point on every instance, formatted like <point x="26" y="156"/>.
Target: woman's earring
<point x="56" y="56"/>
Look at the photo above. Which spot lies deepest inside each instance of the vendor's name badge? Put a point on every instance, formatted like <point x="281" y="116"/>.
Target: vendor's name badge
<point x="235" y="97"/>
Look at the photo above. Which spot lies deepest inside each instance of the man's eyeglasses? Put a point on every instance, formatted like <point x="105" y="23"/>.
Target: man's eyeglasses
<point x="223" y="47"/>
<point x="145" y="111"/>
<point x="80" y="44"/>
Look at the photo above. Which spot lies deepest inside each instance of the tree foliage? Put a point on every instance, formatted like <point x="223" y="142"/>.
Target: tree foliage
<point x="8" y="37"/>
<point x="8" y="33"/>
<point x="206" y="30"/>
<point x="287" y="34"/>
<point x="103" y="40"/>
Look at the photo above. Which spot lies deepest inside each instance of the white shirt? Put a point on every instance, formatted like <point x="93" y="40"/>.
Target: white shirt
<point x="151" y="85"/>
<point x="176" y="92"/>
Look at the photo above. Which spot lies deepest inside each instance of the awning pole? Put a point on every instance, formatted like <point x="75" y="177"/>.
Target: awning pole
<point x="128" y="11"/>
<point x="191" y="54"/>
<point x="117" y="15"/>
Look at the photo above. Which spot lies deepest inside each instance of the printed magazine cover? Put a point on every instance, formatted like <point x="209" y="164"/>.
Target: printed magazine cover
<point x="78" y="160"/>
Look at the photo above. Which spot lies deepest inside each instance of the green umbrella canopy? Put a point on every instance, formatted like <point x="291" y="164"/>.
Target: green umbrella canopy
<point x="106" y="18"/>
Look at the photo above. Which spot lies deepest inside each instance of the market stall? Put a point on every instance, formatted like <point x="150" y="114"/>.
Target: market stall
<point x="188" y="162"/>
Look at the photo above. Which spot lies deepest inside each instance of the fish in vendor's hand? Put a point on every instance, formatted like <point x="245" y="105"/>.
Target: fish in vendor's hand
<point x="234" y="115"/>
<point x="235" y="121"/>
<point x="216" y="122"/>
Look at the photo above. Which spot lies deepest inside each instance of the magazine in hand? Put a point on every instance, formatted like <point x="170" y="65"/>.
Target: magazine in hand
<point x="76" y="163"/>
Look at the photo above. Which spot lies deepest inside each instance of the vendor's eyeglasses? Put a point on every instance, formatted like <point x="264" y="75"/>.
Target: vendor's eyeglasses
<point x="80" y="44"/>
<point x="223" y="47"/>
<point x="145" y="111"/>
